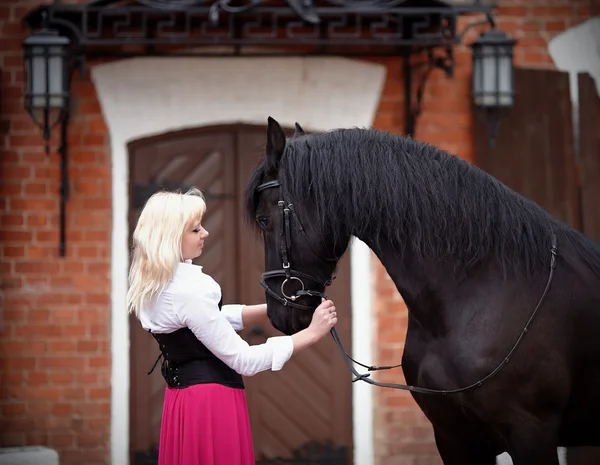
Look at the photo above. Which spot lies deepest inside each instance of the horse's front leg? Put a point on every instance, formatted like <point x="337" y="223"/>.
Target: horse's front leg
<point x="534" y="442"/>
<point x="458" y="449"/>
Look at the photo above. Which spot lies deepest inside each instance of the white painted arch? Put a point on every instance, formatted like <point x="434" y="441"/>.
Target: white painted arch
<point x="146" y="96"/>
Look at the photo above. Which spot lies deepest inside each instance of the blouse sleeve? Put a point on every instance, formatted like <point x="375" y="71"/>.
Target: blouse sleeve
<point x="233" y="313"/>
<point x="200" y="312"/>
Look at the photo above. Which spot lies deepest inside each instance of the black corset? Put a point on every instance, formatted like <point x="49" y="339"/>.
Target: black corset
<point x="186" y="361"/>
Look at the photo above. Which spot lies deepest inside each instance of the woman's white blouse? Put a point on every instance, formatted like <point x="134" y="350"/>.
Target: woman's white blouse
<point x="191" y="300"/>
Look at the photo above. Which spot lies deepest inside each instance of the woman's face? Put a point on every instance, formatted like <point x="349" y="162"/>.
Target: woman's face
<point x="192" y="241"/>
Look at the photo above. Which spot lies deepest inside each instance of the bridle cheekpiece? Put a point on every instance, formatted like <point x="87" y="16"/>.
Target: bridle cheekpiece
<point x="286" y="212"/>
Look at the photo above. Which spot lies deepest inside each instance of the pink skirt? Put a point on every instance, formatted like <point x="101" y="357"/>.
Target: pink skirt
<point x="205" y="424"/>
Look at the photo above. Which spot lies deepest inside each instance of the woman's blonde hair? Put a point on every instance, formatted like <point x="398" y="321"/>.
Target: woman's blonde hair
<point x="157" y="243"/>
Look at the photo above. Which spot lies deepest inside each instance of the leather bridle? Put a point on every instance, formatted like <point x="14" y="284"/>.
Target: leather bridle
<point x="285" y="213"/>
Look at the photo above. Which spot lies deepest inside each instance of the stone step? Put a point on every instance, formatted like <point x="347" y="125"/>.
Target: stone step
<point x="31" y="455"/>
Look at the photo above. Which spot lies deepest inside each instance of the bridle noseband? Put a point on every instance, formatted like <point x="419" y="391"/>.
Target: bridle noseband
<point x="286" y="212"/>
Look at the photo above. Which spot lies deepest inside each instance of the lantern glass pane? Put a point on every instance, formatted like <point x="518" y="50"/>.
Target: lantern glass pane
<point x="492" y="74"/>
<point x="46" y="77"/>
<point x="477" y="76"/>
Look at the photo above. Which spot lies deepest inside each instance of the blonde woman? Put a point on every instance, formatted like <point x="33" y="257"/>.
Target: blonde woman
<point x="205" y="417"/>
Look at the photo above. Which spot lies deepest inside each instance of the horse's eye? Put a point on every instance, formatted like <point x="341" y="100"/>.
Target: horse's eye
<point x="263" y="221"/>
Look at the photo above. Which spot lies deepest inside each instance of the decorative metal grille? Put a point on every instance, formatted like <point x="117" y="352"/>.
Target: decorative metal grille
<point x="381" y="27"/>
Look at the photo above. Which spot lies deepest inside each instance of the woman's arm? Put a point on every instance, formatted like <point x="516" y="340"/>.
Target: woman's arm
<point x="199" y="311"/>
<point x="254" y="314"/>
<point x="243" y="316"/>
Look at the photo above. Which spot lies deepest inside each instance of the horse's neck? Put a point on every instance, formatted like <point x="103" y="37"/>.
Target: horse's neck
<point x="409" y="282"/>
<point x="431" y="293"/>
<point x="421" y="287"/>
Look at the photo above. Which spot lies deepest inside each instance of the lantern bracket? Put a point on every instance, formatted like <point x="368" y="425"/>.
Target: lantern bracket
<point x="47" y="100"/>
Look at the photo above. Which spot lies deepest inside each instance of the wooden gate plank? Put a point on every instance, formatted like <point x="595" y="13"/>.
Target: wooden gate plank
<point x="533" y="153"/>
<point x="589" y="164"/>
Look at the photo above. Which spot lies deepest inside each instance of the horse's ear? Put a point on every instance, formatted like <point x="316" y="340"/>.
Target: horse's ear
<point x="298" y="131"/>
<point x="275" y="144"/>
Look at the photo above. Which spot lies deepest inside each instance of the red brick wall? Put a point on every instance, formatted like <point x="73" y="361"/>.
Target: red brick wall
<point x="55" y="320"/>
<point x="55" y="315"/>
<point x="402" y="433"/>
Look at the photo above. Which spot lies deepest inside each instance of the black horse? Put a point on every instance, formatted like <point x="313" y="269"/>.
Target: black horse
<point x="474" y="262"/>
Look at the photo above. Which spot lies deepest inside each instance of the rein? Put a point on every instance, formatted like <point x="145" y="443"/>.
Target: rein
<point x="290" y="275"/>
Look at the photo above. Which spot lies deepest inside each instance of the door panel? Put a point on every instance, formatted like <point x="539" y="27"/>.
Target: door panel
<point x="310" y="399"/>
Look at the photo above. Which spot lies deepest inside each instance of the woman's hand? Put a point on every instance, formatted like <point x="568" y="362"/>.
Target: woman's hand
<point x="324" y="318"/>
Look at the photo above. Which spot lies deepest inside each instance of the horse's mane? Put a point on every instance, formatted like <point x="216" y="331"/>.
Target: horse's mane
<point x="418" y="197"/>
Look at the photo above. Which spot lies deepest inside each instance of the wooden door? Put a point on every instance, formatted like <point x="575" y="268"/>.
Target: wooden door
<point x="310" y="399"/>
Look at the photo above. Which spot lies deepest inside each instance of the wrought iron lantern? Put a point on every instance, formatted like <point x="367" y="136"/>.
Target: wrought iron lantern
<point x="46" y="79"/>
<point x="493" y="75"/>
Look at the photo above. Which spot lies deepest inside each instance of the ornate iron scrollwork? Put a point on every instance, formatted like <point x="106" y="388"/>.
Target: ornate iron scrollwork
<point x="383" y="27"/>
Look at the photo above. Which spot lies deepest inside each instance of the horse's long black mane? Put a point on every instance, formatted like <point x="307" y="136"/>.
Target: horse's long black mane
<point x="445" y="210"/>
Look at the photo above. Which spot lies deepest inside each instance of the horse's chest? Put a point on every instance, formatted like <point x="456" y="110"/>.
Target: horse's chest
<point x="422" y="360"/>
<point x="431" y="362"/>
